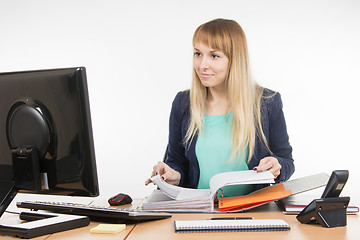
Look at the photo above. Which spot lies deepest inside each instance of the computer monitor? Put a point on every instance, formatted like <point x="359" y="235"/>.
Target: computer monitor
<point x="46" y="141"/>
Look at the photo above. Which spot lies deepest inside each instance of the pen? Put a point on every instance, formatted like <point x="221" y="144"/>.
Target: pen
<point x="231" y="218"/>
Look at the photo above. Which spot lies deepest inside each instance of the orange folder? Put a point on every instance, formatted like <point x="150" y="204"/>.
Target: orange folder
<point x="254" y="199"/>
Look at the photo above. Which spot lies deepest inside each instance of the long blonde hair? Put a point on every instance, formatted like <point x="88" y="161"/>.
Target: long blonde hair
<point x="244" y="94"/>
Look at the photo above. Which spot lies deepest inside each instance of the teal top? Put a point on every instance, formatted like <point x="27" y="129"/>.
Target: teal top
<point x="213" y="149"/>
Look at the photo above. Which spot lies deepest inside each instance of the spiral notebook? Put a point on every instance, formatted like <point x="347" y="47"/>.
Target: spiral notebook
<point x="255" y="225"/>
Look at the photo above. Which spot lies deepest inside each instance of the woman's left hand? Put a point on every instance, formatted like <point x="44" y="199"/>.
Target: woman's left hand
<point x="271" y="164"/>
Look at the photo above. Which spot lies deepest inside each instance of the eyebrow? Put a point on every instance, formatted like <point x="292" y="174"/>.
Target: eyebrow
<point x="213" y="51"/>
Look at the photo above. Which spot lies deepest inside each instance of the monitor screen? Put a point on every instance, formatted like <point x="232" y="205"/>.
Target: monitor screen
<point x="46" y="141"/>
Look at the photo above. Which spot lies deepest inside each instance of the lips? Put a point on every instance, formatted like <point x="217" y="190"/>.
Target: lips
<point x="206" y="75"/>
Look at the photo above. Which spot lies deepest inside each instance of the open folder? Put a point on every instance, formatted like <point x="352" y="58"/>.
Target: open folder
<point x="177" y="199"/>
<point x="271" y="193"/>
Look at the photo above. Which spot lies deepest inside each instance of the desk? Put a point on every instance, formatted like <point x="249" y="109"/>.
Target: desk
<point x="81" y="233"/>
<point x="164" y="229"/>
<point x="78" y="233"/>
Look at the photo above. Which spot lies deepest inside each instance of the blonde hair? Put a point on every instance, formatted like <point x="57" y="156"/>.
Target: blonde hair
<point x="244" y="94"/>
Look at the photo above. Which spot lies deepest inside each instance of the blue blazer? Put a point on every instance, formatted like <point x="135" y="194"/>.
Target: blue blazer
<point x="182" y="158"/>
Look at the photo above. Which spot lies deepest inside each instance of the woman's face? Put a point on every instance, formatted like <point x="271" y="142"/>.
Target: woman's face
<point x="210" y="65"/>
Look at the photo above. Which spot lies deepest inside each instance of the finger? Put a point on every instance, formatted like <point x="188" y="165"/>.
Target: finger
<point x="161" y="168"/>
<point x="153" y="173"/>
<point x="263" y="166"/>
<point x="166" y="176"/>
<point x="158" y="169"/>
<point x="147" y="182"/>
<point x="273" y="171"/>
<point x="171" y="177"/>
<point x="276" y="174"/>
<point x="277" y="170"/>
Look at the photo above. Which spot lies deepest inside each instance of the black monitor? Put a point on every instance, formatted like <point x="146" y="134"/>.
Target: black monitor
<point x="46" y="141"/>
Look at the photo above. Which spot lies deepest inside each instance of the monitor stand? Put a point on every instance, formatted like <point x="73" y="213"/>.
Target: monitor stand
<point x="37" y="224"/>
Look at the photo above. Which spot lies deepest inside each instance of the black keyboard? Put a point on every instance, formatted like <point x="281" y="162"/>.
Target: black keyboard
<point x="95" y="213"/>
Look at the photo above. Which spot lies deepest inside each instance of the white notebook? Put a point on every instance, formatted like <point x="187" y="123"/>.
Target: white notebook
<point x="231" y="225"/>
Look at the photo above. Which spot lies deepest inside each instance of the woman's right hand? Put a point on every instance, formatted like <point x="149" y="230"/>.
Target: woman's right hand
<point x="166" y="173"/>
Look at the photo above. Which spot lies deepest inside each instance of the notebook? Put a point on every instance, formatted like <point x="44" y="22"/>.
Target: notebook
<point x="251" y="225"/>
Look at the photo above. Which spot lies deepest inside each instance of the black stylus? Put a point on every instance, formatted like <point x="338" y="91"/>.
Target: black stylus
<point x="231" y="218"/>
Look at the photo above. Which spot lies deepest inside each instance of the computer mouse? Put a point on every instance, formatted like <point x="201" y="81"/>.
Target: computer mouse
<point x="120" y="199"/>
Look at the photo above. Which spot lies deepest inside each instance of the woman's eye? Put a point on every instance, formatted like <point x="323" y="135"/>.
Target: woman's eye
<point x="197" y="54"/>
<point x="214" y="56"/>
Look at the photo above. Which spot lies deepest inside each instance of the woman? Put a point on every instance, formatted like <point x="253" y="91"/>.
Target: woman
<point x="225" y="122"/>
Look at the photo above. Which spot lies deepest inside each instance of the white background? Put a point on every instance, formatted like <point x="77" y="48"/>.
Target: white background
<point x="138" y="55"/>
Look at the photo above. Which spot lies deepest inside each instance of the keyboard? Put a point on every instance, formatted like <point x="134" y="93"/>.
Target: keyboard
<point x="95" y="213"/>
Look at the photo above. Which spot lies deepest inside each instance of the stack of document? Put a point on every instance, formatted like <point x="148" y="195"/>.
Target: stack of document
<point x="158" y="201"/>
<point x="172" y="198"/>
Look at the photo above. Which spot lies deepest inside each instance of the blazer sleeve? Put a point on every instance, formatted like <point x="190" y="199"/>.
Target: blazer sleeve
<point x="176" y="151"/>
<point x="279" y="139"/>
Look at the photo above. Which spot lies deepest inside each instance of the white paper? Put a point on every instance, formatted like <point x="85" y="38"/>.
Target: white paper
<point x="217" y="181"/>
<point x="239" y="177"/>
<point x="179" y="193"/>
<point x="158" y="201"/>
